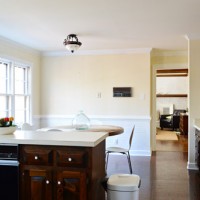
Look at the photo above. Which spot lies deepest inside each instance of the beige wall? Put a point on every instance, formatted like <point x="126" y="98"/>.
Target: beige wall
<point x="19" y="53"/>
<point x="194" y="63"/>
<point x="72" y="83"/>
<point x="194" y="94"/>
<point x="176" y="58"/>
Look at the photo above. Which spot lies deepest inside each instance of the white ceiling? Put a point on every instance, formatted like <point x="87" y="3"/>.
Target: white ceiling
<point x="101" y="24"/>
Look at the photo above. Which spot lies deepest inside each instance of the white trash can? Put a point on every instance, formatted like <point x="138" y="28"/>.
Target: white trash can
<point x="123" y="187"/>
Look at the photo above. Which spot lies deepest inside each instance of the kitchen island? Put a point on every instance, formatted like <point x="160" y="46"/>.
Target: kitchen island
<point x="60" y="165"/>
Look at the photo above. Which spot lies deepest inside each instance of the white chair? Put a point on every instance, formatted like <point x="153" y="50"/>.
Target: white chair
<point x="122" y="151"/>
<point x="26" y="126"/>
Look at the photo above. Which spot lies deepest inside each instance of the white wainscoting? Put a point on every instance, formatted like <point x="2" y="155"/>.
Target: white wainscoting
<point x="141" y="139"/>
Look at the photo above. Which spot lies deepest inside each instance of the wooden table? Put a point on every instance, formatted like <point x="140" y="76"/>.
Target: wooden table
<point x="112" y="130"/>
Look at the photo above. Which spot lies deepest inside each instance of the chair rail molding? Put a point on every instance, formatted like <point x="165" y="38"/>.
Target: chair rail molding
<point x="141" y="141"/>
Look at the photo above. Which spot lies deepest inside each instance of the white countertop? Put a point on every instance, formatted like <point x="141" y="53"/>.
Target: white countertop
<point x="197" y="124"/>
<point x="61" y="138"/>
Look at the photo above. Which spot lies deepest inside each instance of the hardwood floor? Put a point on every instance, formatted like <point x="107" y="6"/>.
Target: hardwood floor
<point x="164" y="175"/>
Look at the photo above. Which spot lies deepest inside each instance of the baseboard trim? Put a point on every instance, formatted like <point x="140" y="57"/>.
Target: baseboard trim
<point x="192" y="166"/>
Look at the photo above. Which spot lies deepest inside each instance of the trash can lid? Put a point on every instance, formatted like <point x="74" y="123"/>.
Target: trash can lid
<point x="124" y="182"/>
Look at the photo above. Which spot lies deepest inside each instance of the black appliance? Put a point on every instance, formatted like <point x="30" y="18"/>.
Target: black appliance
<point x="9" y="172"/>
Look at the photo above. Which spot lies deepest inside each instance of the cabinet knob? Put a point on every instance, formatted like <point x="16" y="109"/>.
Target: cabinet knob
<point x="36" y="157"/>
<point x="59" y="182"/>
<point x="47" y="182"/>
<point x="69" y="159"/>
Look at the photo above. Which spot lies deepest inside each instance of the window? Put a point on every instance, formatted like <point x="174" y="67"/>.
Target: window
<point x="15" y="92"/>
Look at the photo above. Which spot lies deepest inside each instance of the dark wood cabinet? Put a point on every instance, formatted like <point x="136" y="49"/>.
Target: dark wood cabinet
<point x="71" y="185"/>
<point x="183" y="126"/>
<point x="62" y="173"/>
<point x="36" y="184"/>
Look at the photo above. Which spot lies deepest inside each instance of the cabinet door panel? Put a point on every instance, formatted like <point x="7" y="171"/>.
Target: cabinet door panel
<point x="71" y="185"/>
<point x="37" y="184"/>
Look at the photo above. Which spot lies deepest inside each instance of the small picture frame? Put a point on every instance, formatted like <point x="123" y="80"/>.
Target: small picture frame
<point x="122" y="92"/>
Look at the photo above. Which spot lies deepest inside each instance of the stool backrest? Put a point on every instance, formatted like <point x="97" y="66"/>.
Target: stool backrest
<point x="131" y="137"/>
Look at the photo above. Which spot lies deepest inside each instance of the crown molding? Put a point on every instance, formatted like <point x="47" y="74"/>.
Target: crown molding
<point x="98" y="52"/>
<point x="12" y="43"/>
<point x="192" y="37"/>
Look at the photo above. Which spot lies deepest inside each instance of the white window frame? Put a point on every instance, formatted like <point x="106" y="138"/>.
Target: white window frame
<point x="10" y="91"/>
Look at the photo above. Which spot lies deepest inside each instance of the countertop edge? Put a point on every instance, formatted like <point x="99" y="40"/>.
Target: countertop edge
<point x="55" y="139"/>
<point x="197" y="127"/>
<point x="197" y="124"/>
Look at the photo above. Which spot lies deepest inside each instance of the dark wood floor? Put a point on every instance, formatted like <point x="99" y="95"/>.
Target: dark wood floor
<point x="164" y="175"/>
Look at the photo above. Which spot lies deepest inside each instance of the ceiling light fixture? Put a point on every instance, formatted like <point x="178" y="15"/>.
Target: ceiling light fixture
<point x="71" y="43"/>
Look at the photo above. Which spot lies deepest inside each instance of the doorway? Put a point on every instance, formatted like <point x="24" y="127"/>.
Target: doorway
<point x="171" y="104"/>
